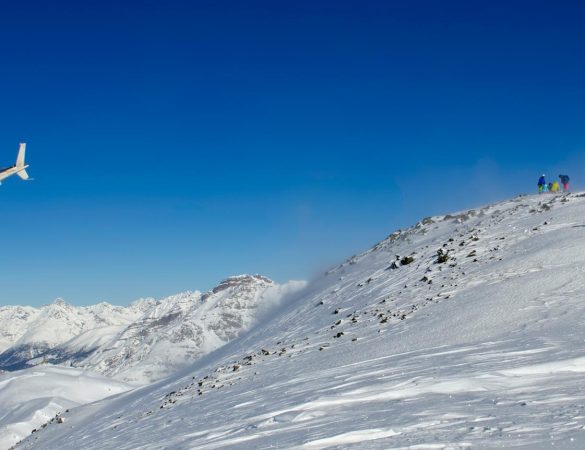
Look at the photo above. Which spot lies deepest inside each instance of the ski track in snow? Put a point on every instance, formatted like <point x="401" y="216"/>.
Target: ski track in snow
<point x="484" y="350"/>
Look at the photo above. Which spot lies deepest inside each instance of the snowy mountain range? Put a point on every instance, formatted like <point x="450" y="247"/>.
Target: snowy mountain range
<point x="463" y="331"/>
<point x="26" y="332"/>
<point x="142" y="342"/>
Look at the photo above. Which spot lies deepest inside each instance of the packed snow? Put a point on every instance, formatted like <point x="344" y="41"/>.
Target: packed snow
<point x="464" y="331"/>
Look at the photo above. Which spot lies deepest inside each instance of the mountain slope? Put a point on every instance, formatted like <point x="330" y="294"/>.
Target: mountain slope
<point x="463" y="331"/>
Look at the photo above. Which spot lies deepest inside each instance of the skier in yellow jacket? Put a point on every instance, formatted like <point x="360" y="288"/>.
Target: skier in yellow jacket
<point x="555" y="187"/>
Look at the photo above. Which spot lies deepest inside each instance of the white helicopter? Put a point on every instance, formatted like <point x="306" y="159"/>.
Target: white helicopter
<point x="19" y="168"/>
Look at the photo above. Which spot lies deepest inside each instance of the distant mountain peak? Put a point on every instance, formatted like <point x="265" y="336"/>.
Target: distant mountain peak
<point x="59" y="302"/>
<point x="241" y="280"/>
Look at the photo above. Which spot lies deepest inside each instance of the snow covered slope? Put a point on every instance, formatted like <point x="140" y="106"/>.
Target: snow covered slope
<point x="465" y="331"/>
<point x="32" y="397"/>
<point x="147" y="340"/>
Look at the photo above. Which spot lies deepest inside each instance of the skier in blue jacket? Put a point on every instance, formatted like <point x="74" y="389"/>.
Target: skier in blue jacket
<point x="541" y="184"/>
<point x="565" y="182"/>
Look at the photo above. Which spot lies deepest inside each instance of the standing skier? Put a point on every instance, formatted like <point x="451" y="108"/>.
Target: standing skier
<point x="541" y="184"/>
<point x="565" y="182"/>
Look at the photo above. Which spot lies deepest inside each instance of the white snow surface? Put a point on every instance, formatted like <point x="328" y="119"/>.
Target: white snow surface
<point x="32" y="397"/>
<point x="483" y="350"/>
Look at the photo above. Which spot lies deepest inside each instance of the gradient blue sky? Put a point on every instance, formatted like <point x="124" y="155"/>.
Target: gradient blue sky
<point x="174" y="143"/>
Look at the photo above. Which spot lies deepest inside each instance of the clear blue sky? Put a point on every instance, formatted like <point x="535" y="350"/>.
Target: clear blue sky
<point x="174" y="143"/>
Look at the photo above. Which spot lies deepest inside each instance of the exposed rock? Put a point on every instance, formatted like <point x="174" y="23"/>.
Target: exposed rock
<point x="406" y="260"/>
